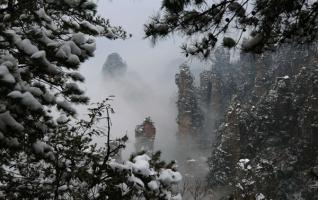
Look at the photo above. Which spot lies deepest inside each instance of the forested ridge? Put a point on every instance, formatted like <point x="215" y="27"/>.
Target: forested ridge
<point x="254" y="107"/>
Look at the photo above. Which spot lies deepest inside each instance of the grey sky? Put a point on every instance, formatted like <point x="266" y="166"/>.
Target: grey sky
<point x="139" y="53"/>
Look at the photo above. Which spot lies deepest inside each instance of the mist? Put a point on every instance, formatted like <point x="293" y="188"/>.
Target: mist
<point x="148" y="88"/>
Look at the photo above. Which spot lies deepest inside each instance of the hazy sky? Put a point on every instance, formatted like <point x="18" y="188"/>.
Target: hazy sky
<point x="136" y="51"/>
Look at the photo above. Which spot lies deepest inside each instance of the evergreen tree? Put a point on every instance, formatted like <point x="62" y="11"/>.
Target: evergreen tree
<point x="265" y="147"/>
<point x="269" y="22"/>
<point x="42" y="44"/>
<point x="67" y="164"/>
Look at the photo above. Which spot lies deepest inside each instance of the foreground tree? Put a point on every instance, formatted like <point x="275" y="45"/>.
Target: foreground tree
<point x="69" y="165"/>
<point x="42" y="44"/>
<point x="269" y="23"/>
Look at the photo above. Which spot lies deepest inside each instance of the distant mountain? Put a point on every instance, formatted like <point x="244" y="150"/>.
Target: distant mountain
<point x="114" y="65"/>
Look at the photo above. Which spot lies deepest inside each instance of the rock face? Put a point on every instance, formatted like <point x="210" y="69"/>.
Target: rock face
<point x="217" y="86"/>
<point x="189" y="114"/>
<point x="145" y="134"/>
<point x="200" y="107"/>
<point x="267" y="143"/>
<point x="114" y="65"/>
<point x="265" y="108"/>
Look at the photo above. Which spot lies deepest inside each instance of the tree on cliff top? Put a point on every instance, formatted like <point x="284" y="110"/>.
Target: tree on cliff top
<point x="269" y="22"/>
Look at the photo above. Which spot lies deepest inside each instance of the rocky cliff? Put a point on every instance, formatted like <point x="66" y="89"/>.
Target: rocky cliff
<point x="145" y="134"/>
<point x="200" y="107"/>
<point x="265" y="111"/>
<point x="189" y="113"/>
<point x="114" y="65"/>
<point x="267" y="144"/>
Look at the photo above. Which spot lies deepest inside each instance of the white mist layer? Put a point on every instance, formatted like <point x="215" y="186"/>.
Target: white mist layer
<point x="138" y="94"/>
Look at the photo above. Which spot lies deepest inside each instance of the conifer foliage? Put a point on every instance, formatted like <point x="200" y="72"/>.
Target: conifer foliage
<point x="42" y="44"/>
<point x="268" y="22"/>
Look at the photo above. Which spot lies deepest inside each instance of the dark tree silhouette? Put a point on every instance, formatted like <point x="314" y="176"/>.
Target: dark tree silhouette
<point x="268" y="22"/>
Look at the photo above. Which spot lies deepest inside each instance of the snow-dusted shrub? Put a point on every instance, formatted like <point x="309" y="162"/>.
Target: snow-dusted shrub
<point x="66" y="164"/>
